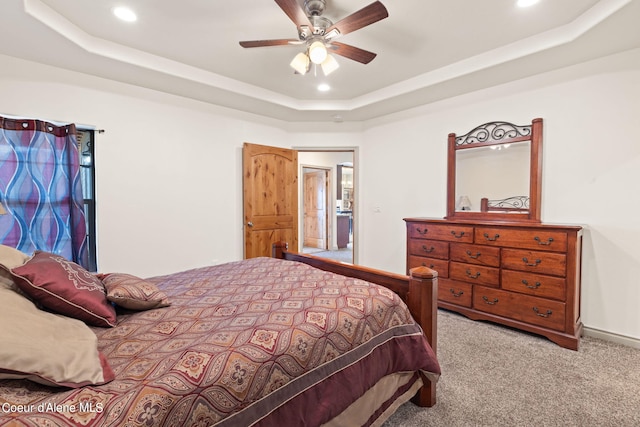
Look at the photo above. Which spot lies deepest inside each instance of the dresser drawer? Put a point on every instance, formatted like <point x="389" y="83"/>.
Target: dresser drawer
<point x="455" y="292"/>
<point x="538" y="239"/>
<point x="475" y="254"/>
<point x="448" y="232"/>
<point x="534" y="284"/>
<point x="534" y="261"/>
<point x="439" y="265"/>
<point x="429" y="248"/>
<point x="529" y="309"/>
<point x="476" y="274"/>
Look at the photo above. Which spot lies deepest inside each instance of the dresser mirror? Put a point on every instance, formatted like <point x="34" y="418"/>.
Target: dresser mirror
<point x="494" y="173"/>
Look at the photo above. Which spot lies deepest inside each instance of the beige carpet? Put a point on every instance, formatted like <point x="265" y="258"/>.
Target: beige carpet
<point x="343" y="255"/>
<point x="496" y="376"/>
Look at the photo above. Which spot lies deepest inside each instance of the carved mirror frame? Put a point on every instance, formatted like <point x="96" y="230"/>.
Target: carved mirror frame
<point x="491" y="134"/>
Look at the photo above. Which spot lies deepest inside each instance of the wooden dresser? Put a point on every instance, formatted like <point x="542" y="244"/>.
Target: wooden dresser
<point x="525" y="276"/>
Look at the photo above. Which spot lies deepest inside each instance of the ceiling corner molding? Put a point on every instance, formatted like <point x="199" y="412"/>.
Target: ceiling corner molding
<point x="525" y="47"/>
<point x="126" y="54"/>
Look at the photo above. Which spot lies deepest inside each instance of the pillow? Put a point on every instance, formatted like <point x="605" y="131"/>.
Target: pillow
<point x="10" y="258"/>
<point x="132" y="292"/>
<point x="65" y="288"/>
<point x="47" y="348"/>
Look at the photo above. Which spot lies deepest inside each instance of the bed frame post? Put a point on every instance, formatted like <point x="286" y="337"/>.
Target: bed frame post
<point x="423" y="303"/>
<point x="278" y="248"/>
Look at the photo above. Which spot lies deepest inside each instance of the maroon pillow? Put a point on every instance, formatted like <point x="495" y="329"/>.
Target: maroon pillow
<point x="132" y="292"/>
<point x="66" y="288"/>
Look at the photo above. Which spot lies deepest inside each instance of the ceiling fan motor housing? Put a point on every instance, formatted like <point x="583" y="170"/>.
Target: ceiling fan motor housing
<point x="314" y="7"/>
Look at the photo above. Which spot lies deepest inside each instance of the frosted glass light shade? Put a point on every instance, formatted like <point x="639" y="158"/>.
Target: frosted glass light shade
<point x="317" y="52"/>
<point x="300" y="63"/>
<point x="329" y="65"/>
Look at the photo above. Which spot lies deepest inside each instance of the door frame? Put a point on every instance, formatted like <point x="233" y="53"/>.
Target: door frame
<point x="331" y="192"/>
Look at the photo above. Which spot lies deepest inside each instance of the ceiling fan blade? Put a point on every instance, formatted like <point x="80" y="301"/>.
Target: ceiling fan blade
<point x="365" y="16"/>
<point x="295" y="12"/>
<point x="352" y="52"/>
<point x="263" y="43"/>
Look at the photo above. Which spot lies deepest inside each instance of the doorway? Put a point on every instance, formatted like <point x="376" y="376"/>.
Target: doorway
<point x="339" y="214"/>
<point x="315" y="202"/>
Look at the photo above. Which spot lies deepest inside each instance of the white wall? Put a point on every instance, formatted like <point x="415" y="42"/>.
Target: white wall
<point x="591" y="166"/>
<point x="166" y="163"/>
<point x="168" y="169"/>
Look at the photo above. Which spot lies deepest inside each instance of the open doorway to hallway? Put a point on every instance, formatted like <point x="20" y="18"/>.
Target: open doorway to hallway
<point x="337" y="217"/>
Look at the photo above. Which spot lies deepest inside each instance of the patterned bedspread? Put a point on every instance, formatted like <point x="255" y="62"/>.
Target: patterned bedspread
<point x="242" y="343"/>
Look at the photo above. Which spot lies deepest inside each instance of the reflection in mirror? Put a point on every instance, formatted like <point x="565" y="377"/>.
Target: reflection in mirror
<point x="493" y="172"/>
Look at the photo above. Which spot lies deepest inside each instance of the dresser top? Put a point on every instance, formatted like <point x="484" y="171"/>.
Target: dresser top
<point x="514" y="224"/>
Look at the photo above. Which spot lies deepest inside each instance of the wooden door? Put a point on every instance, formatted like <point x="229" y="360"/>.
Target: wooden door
<point x="270" y="189"/>
<point x="315" y="209"/>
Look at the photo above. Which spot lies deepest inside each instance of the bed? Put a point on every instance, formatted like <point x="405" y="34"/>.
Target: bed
<point x="287" y="340"/>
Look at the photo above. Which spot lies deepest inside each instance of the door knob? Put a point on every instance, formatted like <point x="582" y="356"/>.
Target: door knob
<point x="250" y="224"/>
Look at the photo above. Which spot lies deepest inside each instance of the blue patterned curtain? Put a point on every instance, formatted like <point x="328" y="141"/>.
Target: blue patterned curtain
<point x="41" y="189"/>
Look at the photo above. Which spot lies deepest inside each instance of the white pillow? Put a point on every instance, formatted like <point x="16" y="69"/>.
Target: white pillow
<point x="10" y="258"/>
<point x="28" y="336"/>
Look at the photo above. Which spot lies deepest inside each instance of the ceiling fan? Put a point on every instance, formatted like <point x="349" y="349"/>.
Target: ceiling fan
<point x="317" y="33"/>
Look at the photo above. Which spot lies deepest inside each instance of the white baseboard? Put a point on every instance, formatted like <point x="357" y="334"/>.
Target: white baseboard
<point x="610" y="336"/>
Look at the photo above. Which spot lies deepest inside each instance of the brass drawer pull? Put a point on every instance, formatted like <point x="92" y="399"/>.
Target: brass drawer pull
<point x="456" y="294"/>
<point x="547" y="314"/>
<point x="486" y="300"/>
<point x="457" y="236"/>
<point x="424" y="264"/>
<point x="526" y="283"/>
<point x="473" y="256"/>
<point x="531" y="264"/>
<point x="428" y="250"/>
<point x="419" y="230"/>
<point x="540" y="242"/>
<point x="491" y="239"/>
<point x="472" y="276"/>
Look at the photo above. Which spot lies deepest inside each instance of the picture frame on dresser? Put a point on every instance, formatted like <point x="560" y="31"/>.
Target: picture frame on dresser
<point x="495" y="261"/>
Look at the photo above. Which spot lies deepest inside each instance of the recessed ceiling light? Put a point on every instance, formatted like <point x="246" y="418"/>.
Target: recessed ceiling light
<point x="527" y="3"/>
<point x="125" y="14"/>
<point x="324" y="87"/>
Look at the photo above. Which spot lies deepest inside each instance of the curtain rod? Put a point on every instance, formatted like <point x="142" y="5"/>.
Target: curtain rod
<point x="55" y="122"/>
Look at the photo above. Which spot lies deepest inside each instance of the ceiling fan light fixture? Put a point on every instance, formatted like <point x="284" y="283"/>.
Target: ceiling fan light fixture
<point x="317" y="52"/>
<point x="300" y="63"/>
<point x="329" y="65"/>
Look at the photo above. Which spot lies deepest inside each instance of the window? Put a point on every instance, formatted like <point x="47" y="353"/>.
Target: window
<point x="86" y="139"/>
